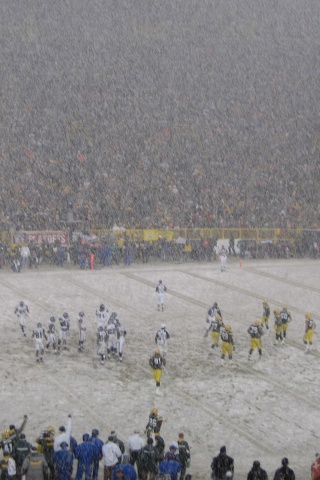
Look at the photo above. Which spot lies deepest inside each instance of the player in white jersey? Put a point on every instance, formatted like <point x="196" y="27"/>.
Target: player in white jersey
<point x="22" y="312"/>
<point x="223" y="258"/>
<point x="51" y="335"/>
<point x="112" y="338"/>
<point x="63" y="331"/>
<point x="39" y="334"/>
<point x="121" y="334"/>
<point x="102" y="345"/>
<point x="161" y="339"/>
<point x="161" y="289"/>
<point x="102" y="316"/>
<point x="82" y="331"/>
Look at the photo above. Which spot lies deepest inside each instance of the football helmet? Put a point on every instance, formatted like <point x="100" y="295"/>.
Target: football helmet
<point x="215" y="305"/>
<point x="308" y="316"/>
<point x="163" y="326"/>
<point x="228" y="328"/>
<point x="102" y="307"/>
<point x="52" y="319"/>
<point x="65" y="315"/>
<point x="81" y="314"/>
<point x="257" y="322"/>
<point x="154" y="411"/>
<point x="21" y="303"/>
<point x="265" y="302"/>
<point x="160" y="281"/>
<point x="39" y="325"/>
<point x="157" y="352"/>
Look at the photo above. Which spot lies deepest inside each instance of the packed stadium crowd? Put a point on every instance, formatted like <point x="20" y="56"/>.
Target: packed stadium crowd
<point x="117" y="131"/>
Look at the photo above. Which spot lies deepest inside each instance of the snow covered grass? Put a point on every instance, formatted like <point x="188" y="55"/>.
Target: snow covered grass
<point x="261" y="410"/>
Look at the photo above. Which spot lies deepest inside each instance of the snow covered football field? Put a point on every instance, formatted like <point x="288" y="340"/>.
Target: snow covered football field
<point x="261" y="410"/>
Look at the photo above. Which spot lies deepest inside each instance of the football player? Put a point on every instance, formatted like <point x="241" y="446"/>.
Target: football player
<point x="255" y="331"/>
<point x="102" y="345"/>
<point x="121" y="334"/>
<point x="213" y="311"/>
<point x="154" y="422"/>
<point x="161" y="339"/>
<point x="82" y="331"/>
<point x="227" y="343"/>
<point x="102" y="315"/>
<point x="277" y="326"/>
<point x="157" y="363"/>
<point x="285" y="318"/>
<point x="161" y="289"/>
<point x="310" y="326"/>
<point x="215" y="325"/>
<point x="22" y="312"/>
<point x="64" y="330"/>
<point x="111" y="338"/>
<point x="265" y="314"/>
<point x="51" y="334"/>
<point x="39" y="334"/>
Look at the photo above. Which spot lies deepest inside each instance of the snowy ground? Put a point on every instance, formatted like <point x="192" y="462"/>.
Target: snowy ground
<point x="260" y="410"/>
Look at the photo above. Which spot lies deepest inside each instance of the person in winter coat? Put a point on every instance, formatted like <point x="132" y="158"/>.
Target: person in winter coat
<point x="170" y="466"/>
<point x="64" y="434"/>
<point x="128" y="471"/>
<point x="256" y="472"/>
<point x="184" y="454"/>
<point x="21" y="449"/>
<point x="111" y="456"/>
<point x="46" y="444"/>
<point x="35" y="466"/>
<point x="99" y="444"/>
<point x="63" y="462"/>
<point x="284" y="472"/>
<point x="86" y="453"/>
<point x="147" y="461"/>
<point x="7" y="467"/>
<point x="221" y="464"/>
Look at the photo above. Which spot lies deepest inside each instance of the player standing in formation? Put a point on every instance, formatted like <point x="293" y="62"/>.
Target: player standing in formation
<point x="265" y="314"/>
<point x="39" y="334"/>
<point x="285" y="319"/>
<point x="215" y="325"/>
<point x="82" y="331"/>
<point x="161" y="289"/>
<point x="110" y="336"/>
<point x="310" y="326"/>
<point x="227" y="345"/>
<point x="255" y="331"/>
<point x="102" y="316"/>
<point x="121" y="340"/>
<point x="22" y="312"/>
<point x="161" y="339"/>
<point x="52" y="335"/>
<point x="157" y="362"/>
<point x="63" y="331"/>
<point x="277" y="326"/>
<point x="102" y="344"/>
